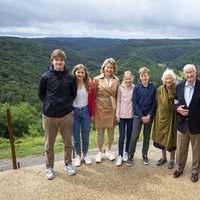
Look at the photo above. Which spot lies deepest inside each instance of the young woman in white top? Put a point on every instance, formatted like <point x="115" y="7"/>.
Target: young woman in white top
<point x="83" y="113"/>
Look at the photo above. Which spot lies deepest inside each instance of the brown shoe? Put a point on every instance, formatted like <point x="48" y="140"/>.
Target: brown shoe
<point x="176" y="174"/>
<point x="195" y="177"/>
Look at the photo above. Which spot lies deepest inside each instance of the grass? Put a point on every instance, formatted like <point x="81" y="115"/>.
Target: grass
<point x="28" y="145"/>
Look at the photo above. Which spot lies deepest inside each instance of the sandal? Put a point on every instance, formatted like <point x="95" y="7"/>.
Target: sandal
<point x="171" y="164"/>
<point x="161" y="162"/>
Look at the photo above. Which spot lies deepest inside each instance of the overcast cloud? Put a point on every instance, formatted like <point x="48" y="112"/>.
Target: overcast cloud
<point x="100" y="18"/>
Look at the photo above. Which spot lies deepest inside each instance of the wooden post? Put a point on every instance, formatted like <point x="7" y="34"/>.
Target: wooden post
<point x="11" y="137"/>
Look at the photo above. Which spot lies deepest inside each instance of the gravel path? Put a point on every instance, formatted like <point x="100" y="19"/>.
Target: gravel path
<point x="101" y="181"/>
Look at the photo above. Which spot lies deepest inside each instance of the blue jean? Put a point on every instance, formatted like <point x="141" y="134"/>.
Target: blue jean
<point x="81" y="127"/>
<point x="137" y="125"/>
<point x="125" y="130"/>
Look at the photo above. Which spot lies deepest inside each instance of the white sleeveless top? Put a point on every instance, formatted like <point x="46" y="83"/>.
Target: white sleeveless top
<point x="81" y="99"/>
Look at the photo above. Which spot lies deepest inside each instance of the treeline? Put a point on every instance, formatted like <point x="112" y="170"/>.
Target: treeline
<point x="22" y="61"/>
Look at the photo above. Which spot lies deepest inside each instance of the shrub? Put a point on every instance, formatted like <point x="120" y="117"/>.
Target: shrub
<point x="25" y="118"/>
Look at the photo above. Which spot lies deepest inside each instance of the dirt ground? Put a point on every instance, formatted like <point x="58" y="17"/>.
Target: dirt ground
<point x="101" y="181"/>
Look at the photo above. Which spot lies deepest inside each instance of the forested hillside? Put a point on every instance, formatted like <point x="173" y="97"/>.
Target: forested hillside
<point x="22" y="60"/>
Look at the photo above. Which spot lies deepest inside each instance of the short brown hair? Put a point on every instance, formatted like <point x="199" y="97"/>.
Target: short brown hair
<point x="58" y="53"/>
<point x="143" y="70"/>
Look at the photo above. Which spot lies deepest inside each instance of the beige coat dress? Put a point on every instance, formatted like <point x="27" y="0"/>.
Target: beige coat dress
<point x="105" y="102"/>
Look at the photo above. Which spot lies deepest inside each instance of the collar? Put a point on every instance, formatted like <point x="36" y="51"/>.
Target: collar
<point x="123" y="85"/>
<point x="101" y="76"/>
<point x="149" y="84"/>
<point x="52" y="69"/>
<point x="187" y="84"/>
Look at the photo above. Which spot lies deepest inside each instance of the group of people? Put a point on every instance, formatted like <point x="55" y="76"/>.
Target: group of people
<point x="72" y="101"/>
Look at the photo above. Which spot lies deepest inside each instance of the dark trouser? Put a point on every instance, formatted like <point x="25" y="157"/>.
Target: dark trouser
<point x="125" y="129"/>
<point x="137" y="125"/>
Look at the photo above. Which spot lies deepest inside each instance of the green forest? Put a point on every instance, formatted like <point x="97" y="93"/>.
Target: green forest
<point x="23" y="60"/>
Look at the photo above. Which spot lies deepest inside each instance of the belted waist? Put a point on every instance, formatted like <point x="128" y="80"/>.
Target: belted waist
<point x="111" y="98"/>
<point x="81" y="108"/>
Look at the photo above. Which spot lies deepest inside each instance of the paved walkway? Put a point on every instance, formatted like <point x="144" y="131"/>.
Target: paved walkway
<point x="100" y="181"/>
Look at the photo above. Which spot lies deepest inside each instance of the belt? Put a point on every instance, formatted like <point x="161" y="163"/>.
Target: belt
<point x="81" y="108"/>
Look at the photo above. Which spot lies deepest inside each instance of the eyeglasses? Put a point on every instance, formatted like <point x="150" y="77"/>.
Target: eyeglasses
<point x="188" y="73"/>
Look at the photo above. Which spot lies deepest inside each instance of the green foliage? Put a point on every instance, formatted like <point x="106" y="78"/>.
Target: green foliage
<point x="25" y="146"/>
<point x="22" y="62"/>
<point x="78" y="44"/>
<point x="3" y="121"/>
<point x="25" y="120"/>
<point x="29" y="145"/>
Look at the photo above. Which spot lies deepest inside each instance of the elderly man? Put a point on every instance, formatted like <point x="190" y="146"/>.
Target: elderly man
<point x="187" y="104"/>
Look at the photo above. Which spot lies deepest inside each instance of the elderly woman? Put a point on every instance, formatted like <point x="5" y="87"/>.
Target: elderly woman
<point x="106" y="85"/>
<point x="164" y="130"/>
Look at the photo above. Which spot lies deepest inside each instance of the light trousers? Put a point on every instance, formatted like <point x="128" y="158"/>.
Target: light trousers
<point x="51" y="126"/>
<point x="183" y="140"/>
<point x="100" y="135"/>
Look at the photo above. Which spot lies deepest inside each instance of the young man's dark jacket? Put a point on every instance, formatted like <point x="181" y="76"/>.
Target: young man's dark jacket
<point x="57" y="91"/>
<point x="192" y="120"/>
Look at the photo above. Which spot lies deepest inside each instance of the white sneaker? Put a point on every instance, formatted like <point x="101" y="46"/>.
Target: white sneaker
<point x="125" y="157"/>
<point x="110" y="155"/>
<point x="87" y="160"/>
<point x="70" y="169"/>
<point x="49" y="173"/>
<point x="77" y="161"/>
<point x="99" y="157"/>
<point x="119" y="161"/>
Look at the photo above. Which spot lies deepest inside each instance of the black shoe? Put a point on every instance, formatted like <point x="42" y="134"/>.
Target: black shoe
<point x="195" y="177"/>
<point x="161" y="162"/>
<point x="145" y="160"/>
<point x="129" y="162"/>
<point x="176" y="174"/>
<point x="171" y="164"/>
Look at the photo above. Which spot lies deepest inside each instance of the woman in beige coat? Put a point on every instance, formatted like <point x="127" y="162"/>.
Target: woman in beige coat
<point x="106" y="85"/>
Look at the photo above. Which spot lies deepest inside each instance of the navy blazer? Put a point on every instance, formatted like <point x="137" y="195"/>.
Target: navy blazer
<point x="192" y="120"/>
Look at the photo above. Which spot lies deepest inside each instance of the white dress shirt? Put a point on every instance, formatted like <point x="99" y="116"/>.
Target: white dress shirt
<point x="188" y="93"/>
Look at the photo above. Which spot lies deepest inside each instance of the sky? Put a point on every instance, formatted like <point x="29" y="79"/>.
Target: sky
<point x="125" y="19"/>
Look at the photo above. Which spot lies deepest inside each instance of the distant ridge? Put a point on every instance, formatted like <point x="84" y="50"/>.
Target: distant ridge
<point x="23" y="60"/>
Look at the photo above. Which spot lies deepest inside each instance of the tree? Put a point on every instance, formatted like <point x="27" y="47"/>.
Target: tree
<point x="25" y="120"/>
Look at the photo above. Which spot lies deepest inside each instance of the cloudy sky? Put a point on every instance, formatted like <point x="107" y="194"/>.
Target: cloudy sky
<point x="100" y="18"/>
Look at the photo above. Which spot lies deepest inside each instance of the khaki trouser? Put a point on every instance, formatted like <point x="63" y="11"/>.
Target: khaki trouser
<point x="183" y="140"/>
<point x="100" y="135"/>
<point x="51" y="126"/>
